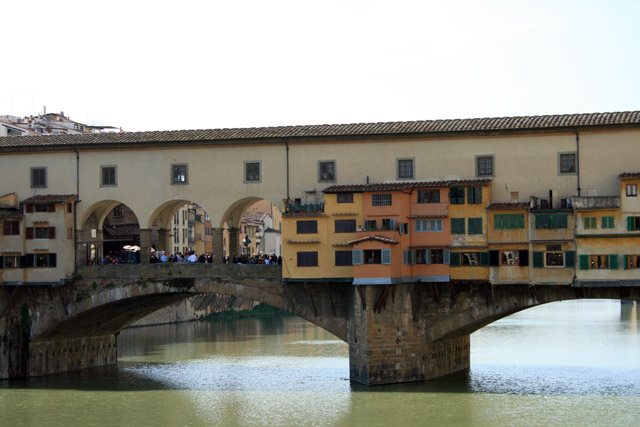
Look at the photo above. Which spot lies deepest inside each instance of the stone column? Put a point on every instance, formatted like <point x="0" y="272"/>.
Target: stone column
<point x="234" y="244"/>
<point x="390" y="343"/>
<point x="164" y="240"/>
<point x="145" y="245"/>
<point x="218" y="244"/>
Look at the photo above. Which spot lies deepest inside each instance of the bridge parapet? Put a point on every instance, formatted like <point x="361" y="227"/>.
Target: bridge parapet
<point x="180" y="270"/>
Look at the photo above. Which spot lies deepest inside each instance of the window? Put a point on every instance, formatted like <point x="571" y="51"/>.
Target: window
<point x="40" y="260"/>
<point x="252" y="172"/>
<point x="10" y="261"/>
<point x="345" y="226"/>
<point x="554" y="259"/>
<point x="457" y="226"/>
<point x="307" y="259"/>
<point x="306" y="227"/>
<point x="108" y="176"/>
<point x="484" y="165"/>
<point x="508" y="221"/>
<point x="118" y="211"/>
<point x="343" y="258"/>
<point x="598" y="261"/>
<point x="41" y="232"/>
<point x="41" y="207"/>
<point x="403" y="228"/>
<point x="475" y="226"/>
<point x="632" y="190"/>
<point x="345" y="197"/>
<point x="38" y="177"/>
<point x="179" y="174"/>
<point x="405" y="168"/>
<point x="509" y="258"/>
<point x="372" y="256"/>
<point x="456" y="195"/>
<point x="471" y="259"/>
<point x="632" y="261"/>
<point x="429" y="256"/>
<point x="11" y="228"/>
<point x="567" y="163"/>
<point x="633" y="223"/>
<point x="326" y="171"/>
<point x="428" y="225"/>
<point x="428" y="196"/>
<point x="551" y="221"/>
<point x="370" y="225"/>
<point x="474" y="195"/>
<point x="590" y="222"/>
<point x="608" y="222"/>
<point x="381" y="200"/>
<point x="388" y="224"/>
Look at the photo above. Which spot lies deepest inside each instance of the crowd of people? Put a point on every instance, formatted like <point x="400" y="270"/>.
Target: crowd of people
<point x="259" y="258"/>
<point x="158" y="257"/>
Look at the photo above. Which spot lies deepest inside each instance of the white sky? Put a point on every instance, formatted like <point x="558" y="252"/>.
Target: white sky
<point x="159" y="65"/>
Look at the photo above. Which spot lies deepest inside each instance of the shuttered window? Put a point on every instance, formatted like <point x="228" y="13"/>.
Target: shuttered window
<point x="457" y="226"/>
<point x="345" y="225"/>
<point x="508" y="221"/>
<point x="306" y="227"/>
<point x="307" y="259"/>
<point x="475" y="226"/>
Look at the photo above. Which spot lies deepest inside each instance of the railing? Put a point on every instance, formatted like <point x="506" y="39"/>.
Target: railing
<point x="308" y="208"/>
<point x="430" y="209"/>
<point x="596" y="202"/>
<point x="548" y="203"/>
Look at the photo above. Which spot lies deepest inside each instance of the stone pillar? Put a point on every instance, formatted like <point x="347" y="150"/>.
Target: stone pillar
<point x="85" y="240"/>
<point x="234" y="244"/>
<point x="389" y="343"/>
<point x="145" y="245"/>
<point x="65" y="355"/>
<point x="164" y="241"/>
<point x="218" y="244"/>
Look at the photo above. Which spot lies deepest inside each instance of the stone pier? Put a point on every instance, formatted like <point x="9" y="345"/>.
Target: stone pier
<point x="50" y="357"/>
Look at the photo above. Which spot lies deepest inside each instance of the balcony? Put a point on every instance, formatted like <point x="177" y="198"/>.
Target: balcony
<point x="597" y="202"/>
<point x="308" y="208"/>
<point x="551" y="203"/>
<point x="440" y="210"/>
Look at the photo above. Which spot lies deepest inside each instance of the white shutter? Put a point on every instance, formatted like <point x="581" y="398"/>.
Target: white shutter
<point x="446" y="256"/>
<point x="414" y="256"/>
<point x="427" y="254"/>
<point x="386" y="256"/>
<point x="356" y="256"/>
<point x="393" y="223"/>
<point x="406" y="255"/>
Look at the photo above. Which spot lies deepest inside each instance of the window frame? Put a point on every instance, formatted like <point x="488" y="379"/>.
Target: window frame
<point x="339" y="255"/>
<point x="175" y="168"/>
<point x="33" y="177"/>
<point x="429" y="195"/>
<point x="10" y="228"/>
<point x="344" y="198"/>
<point x="102" y="175"/>
<point x="511" y="225"/>
<point x="321" y="177"/>
<point x="400" y="168"/>
<point x="590" y="222"/>
<point x="474" y="226"/>
<point x="380" y="199"/>
<point x="607" y="222"/>
<point x="482" y="157"/>
<point x="632" y="190"/>
<point x="561" y="163"/>
<point x="245" y="165"/>
<point x="300" y="226"/>
<point x="345" y="226"/>
<point x="307" y="256"/>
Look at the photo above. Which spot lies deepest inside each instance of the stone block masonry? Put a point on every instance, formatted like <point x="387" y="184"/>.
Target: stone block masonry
<point x="49" y="357"/>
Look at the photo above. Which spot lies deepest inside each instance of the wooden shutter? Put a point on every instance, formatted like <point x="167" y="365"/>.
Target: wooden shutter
<point x="454" y="259"/>
<point x="523" y="257"/>
<point x="29" y="233"/>
<point x="6" y="228"/>
<point x="52" y="232"/>
<point x="613" y="261"/>
<point x="29" y="207"/>
<point x="427" y="256"/>
<point x="570" y="259"/>
<point x="52" y="260"/>
<point x="406" y="255"/>
<point x="386" y="256"/>
<point x="584" y="262"/>
<point x="625" y="262"/>
<point x="631" y="223"/>
<point x="457" y="225"/>
<point x="51" y="207"/>
<point x="356" y="256"/>
<point x="414" y="256"/>
<point x="485" y="259"/>
<point x="30" y="260"/>
<point x="1" y="262"/>
<point x="446" y="256"/>
<point x="538" y="259"/>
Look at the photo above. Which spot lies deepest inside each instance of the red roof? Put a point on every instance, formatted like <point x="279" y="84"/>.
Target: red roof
<point x="50" y="198"/>
<point x="403" y="185"/>
<point x="504" y="206"/>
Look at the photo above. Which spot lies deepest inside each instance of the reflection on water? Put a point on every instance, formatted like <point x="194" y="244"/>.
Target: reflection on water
<point x="572" y="363"/>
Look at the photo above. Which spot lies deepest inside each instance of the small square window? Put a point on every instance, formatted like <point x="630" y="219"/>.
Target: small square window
<point x="108" y="176"/>
<point x="381" y="200"/>
<point x="405" y="169"/>
<point x="252" y="172"/>
<point x="632" y="190"/>
<point x="485" y="165"/>
<point x="345" y="197"/>
<point x="326" y="171"/>
<point x="567" y="163"/>
<point x="179" y="174"/>
<point x="38" y="177"/>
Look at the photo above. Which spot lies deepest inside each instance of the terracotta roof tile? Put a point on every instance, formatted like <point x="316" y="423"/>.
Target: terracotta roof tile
<point x="629" y="175"/>
<point x="403" y="185"/>
<point x="505" y="206"/>
<point x="375" y="238"/>
<point x="50" y="198"/>
<point x="260" y="134"/>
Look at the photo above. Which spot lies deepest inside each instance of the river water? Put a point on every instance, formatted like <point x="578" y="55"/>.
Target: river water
<point x="573" y="363"/>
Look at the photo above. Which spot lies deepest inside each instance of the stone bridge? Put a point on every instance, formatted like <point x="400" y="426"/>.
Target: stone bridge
<point x="396" y="333"/>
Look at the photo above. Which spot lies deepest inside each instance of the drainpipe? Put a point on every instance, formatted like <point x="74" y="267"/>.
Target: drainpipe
<point x="75" y="214"/>
<point x="578" y="161"/>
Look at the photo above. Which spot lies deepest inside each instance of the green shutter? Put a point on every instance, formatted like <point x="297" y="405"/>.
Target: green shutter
<point x="613" y="261"/>
<point x="538" y="259"/>
<point x="631" y="223"/>
<point x="559" y="221"/>
<point x="457" y="225"/>
<point x="584" y="262"/>
<point x="484" y="259"/>
<point x="625" y="262"/>
<point x="356" y="256"/>
<point x="475" y="226"/>
<point x="570" y="259"/>
<point x="516" y="221"/>
<point x="539" y="221"/>
<point x="454" y="260"/>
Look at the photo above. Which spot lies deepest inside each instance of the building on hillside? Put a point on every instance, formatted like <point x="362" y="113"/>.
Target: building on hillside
<point x="46" y="124"/>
